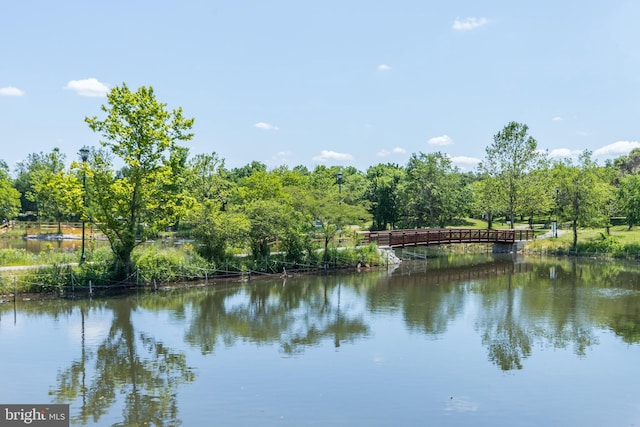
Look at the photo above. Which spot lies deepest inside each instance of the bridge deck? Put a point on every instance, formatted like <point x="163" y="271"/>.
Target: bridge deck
<point x="439" y="236"/>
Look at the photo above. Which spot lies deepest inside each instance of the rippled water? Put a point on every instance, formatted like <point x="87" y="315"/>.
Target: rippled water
<point x="455" y="341"/>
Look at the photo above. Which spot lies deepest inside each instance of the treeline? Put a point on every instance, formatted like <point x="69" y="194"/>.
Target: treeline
<point x="245" y="210"/>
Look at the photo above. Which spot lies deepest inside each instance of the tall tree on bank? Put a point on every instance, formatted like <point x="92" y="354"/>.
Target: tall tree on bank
<point x="383" y="194"/>
<point x="511" y="157"/>
<point x="583" y="193"/>
<point x="33" y="169"/>
<point x="629" y="198"/>
<point x="433" y="191"/>
<point x="130" y="205"/>
<point x="9" y="196"/>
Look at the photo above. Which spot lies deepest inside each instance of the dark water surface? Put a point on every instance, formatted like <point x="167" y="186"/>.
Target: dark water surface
<point x="456" y="341"/>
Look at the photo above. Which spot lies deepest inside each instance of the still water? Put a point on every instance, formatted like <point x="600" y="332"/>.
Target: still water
<point x="455" y="341"/>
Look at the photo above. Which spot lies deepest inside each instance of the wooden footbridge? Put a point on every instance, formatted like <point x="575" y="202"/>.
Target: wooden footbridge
<point x="444" y="236"/>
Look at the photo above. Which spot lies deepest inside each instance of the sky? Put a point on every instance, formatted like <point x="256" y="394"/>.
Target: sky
<point x="349" y="82"/>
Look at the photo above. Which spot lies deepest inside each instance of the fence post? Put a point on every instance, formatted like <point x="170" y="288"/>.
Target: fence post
<point x="90" y="288"/>
<point x="15" y="288"/>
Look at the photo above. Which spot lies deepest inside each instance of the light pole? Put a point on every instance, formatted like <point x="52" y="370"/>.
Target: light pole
<point x="84" y="156"/>
<point x="339" y="181"/>
<point x="555" y="232"/>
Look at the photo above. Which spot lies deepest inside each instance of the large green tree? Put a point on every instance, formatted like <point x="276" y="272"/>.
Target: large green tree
<point x="628" y="195"/>
<point x="216" y="224"/>
<point x="383" y="194"/>
<point x="9" y="196"/>
<point x="511" y="157"/>
<point x="58" y="194"/>
<point x="583" y="193"/>
<point x="143" y="197"/>
<point x="31" y="170"/>
<point x="433" y="191"/>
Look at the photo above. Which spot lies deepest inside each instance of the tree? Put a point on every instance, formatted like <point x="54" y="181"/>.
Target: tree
<point x="509" y="159"/>
<point x="539" y="194"/>
<point x="629" y="198"/>
<point x="216" y="224"/>
<point x="58" y="194"/>
<point x="269" y="220"/>
<point x="142" y="198"/>
<point x="582" y="193"/>
<point x="485" y="199"/>
<point x="433" y="193"/>
<point x="628" y="164"/>
<point x="9" y="196"/>
<point x="27" y="171"/>
<point x="383" y="194"/>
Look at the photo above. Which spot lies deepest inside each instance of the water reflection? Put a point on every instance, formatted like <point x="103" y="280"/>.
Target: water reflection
<point x="129" y="365"/>
<point x="514" y="306"/>
<point x="295" y="315"/>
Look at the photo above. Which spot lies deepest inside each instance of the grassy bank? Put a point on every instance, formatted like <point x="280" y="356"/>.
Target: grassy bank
<point x="620" y="242"/>
<point x="157" y="265"/>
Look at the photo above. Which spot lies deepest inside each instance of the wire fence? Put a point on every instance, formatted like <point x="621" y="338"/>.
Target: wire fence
<point x="67" y="280"/>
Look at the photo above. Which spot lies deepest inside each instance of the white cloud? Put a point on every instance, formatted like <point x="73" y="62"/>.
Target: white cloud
<point x="326" y="155"/>
<point x="557" y="119"/>
<point x="11" y="91"/>
<point x="266" y="126"/>
<point x="617" y="148"/>
<point x="465" y="162"/>
<point x="440" y="140"/>
<point x="88" y="87"/>
<point x="281" y="157"/>
<point x="384" y="67"/>
<point x="564" y="153"/>
<point x="395" y="150"/>
<point x="469" y="24"/>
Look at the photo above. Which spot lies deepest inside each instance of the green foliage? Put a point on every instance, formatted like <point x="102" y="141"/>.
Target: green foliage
<point x="10" y="257"/>
<point x="144" y="197"/>
<point x="432" y="192"/>
<point x="9" y="196"/>
<point x="383" y="194"/>
<point x="628" y="195"/>
<point x="58" y="194"/>
<point x="28" y="171"/>
<point x="582" y="194"/>
<point x="168" y="264"/>
<point x="509" y="160"/>
<point x="605" y="244"/>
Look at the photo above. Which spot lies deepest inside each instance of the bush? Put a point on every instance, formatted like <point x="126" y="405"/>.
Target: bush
<point x="168" y="264"/>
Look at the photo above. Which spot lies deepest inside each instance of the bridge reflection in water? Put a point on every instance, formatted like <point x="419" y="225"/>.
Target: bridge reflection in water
<point x="444" y="236"/>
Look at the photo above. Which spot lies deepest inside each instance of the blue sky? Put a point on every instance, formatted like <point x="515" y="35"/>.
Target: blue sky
<point x="345" y="82"/>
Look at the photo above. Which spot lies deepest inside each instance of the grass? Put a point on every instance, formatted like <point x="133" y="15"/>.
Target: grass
<point x="619" y="243"/>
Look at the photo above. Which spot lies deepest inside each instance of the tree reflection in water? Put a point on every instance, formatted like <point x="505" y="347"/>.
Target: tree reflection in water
<point x="513" y="306"/>
<point x="294" y="315"/>
<point x="127" y="363"/>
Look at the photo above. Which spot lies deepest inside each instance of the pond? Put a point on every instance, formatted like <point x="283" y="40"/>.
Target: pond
<point x="460" y="340"/>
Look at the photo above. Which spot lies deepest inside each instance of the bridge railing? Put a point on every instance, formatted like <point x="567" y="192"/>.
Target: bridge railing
<point x="436" y="236"/>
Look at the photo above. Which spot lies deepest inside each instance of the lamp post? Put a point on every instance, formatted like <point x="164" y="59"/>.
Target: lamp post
<point x="84" y="156"/>
<point x="339" y="181"/>
<point x="555" y="232"/>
